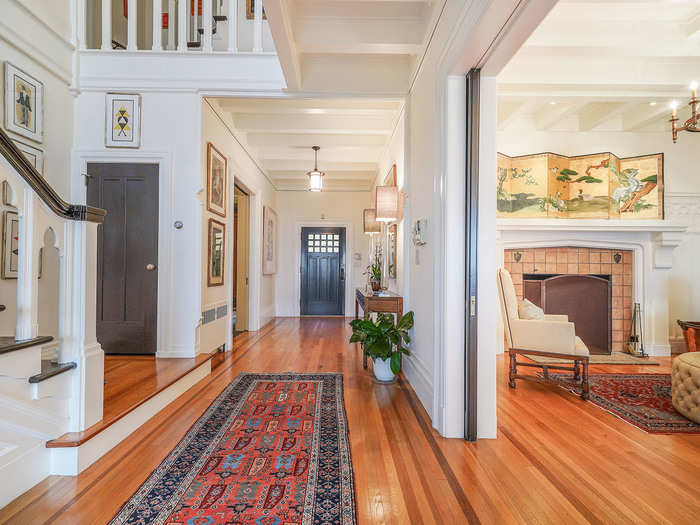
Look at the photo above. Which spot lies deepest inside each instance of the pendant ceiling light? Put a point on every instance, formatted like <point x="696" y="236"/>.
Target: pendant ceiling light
<point x="369" y="221"/>
<point x="388" y="202"/>
<point x="315" y="176"/>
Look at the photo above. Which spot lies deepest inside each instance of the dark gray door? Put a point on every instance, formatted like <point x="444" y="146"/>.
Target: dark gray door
<point x="322" y="271"/>
<point x="127" y="255"/>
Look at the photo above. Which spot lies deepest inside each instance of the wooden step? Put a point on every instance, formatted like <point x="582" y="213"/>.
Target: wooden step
<point x="50" y="369"/>
<point x="10" y="344"/>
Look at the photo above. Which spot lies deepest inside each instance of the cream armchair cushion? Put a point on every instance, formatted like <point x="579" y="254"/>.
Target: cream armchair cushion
<point x="553" y="334"/>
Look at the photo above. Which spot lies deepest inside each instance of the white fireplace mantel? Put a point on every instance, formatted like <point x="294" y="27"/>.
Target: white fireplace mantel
<point x="664" y="235"/>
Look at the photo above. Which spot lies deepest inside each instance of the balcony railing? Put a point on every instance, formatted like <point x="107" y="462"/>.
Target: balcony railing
<point x="204" y="26"/>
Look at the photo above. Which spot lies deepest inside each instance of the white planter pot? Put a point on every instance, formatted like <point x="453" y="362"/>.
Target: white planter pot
<point x="382" y="369"/>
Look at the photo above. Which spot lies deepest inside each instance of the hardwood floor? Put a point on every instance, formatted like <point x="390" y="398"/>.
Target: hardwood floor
<point x="556" y="460"/>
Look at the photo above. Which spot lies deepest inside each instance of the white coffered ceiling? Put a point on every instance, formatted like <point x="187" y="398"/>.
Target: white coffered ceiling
<point x="279" y="134"/>
<point x="350" y="46"/>
<point x="604" y="64"/>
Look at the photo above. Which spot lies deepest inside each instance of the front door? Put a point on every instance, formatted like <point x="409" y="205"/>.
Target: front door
<point x="322" y="271"/>
<point x="127" y="255"/>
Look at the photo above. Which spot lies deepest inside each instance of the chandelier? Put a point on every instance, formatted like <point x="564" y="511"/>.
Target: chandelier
<point x="692" y="123"/>
<point x="315" y="176"/>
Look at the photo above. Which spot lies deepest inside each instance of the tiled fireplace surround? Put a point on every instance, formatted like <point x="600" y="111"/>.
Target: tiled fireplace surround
<point x="582" y="261"/>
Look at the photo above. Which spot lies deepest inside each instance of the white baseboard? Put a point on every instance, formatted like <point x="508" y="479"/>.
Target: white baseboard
<point x="23" y="472"/>
<point x="177" y="351"/>
<point x="419" y="379"/>
<point x="71" y="461"/>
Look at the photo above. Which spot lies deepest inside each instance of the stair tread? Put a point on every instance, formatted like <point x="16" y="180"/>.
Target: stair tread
<point x="10" y="344"/>
<point x="51" y="369"/>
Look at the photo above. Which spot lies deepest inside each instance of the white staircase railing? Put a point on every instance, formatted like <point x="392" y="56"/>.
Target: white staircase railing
<point x="203" y="26"/>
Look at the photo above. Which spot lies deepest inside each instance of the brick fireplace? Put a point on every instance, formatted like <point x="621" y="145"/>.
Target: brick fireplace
<point x="617" y="264"/>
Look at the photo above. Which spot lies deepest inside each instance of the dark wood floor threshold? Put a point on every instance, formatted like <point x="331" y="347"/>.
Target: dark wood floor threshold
<point x="75" y="439"/>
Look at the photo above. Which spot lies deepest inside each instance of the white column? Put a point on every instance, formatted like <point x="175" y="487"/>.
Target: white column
<point x="182" y="25"/>
<point x="207" y="25"/>
<point x="106" y="25"/>
<point x="257" y="27"/>
<point x="131" y="26"/>
<point x="232" y="21"/>
<point x="171" y="24"/>
<point x="157" y="24"/>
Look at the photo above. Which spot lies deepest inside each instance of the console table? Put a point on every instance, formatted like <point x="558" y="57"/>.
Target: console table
<point x="387" y="302"/>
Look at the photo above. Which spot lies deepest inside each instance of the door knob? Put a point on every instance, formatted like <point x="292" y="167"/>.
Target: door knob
<point x="150" y="267"/>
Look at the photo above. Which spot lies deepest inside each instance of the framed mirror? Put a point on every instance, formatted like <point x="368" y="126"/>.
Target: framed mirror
<point x="391" y="251"/>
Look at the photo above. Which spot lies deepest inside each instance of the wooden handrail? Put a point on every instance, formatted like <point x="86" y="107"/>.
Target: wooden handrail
<point x="75" y="212"/>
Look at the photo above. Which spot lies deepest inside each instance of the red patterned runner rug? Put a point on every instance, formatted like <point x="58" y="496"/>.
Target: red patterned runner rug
<point x="272" y="449"/>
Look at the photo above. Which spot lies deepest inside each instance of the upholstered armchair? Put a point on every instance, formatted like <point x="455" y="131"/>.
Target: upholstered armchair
<point x="551" y="336"/>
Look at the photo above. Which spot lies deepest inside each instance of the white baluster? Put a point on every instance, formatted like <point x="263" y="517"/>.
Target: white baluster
<point x="182" y="25"/>
<point x="131" y="26"/>
<point x="207" y="25"/>
<point x="232" y="21"/>
<point x="171" y="24"/>
<point x="257" y="27"/>
<point x="157" y="25"/>
<point x="106" y="25"/>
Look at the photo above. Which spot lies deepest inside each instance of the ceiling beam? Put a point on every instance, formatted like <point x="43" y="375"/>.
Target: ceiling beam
<point x="305" y="165"/>
<point x="305" y="124"/>
<point x="286" y="140"/>
<point x="643" y="115"/>
<point x="312" y="107"/>
<point x="692" y="27"/>
<point x="511" y="109"/>
<point x="595" y="114"/>
<point x="552" y="114"/>
<point x="368" y="175"/>
<point x="280" y="22"/>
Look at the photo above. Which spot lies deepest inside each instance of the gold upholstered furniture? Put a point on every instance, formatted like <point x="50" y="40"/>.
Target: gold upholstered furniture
<point x="685" y="385"/>
<point x="552" y="336"/>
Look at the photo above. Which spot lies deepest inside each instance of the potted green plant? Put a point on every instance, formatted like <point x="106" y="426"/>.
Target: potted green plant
<point x="374" y="271"/>
<point x="383" y="341"/>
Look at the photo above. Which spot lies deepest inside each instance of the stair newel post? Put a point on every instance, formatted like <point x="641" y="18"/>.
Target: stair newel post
<point x="257" y="27"/>
<point x="27" y="287"/>
<point x="81" y="263"/>
<point x="157" y="25"/>
<point x="182" y="25"/>
<point x="207" y="19"/>
<point x="232" y="16"/>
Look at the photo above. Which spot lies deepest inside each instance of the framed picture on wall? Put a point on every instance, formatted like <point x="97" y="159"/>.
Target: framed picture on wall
<point x="34" y="155"/>
<point x="215" y="257"/>
<point x="123" y="120"/>
<point x="24" y="104"/>
<point x="10" y="244"/>
<point x="269" y="241"/>
<point x="217" y="168"/>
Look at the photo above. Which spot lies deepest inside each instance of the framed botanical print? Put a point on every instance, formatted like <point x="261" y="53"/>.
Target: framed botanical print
<point x="215" y="264"/>
<point x="217" y="169"/>
<point x="123" y="120"/>
<point x="10" y="244"/>
<point x="269" y="241"/>
<point x="34" y="155"/>
<point x="391" y="239"/>
<point x="24" y="104"/>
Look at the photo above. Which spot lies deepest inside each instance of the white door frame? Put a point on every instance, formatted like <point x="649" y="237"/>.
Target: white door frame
<point x="80" y="159"/>
<point x="311" y="223"/>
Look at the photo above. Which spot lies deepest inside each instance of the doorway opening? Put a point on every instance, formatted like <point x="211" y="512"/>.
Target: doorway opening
<point x="322" y="271"/>
<point x="127" y="255"/>
<point x="240" y="317"/>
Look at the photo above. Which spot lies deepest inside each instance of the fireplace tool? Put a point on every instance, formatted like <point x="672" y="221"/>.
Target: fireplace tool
<point x="635" y="345"/>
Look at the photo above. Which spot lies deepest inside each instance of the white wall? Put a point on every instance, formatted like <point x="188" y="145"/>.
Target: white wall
<point x="245" y="172"/>
<point x="304" y="208"/>
<point x="681" y="188"/>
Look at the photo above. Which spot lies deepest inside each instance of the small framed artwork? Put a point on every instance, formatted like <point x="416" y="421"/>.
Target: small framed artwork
<point x="123" y="120"/>
<point x="34" y="155"/>
<point x="217" y="168"/>
<point x="215" y="266"/>
<point x="10" y="244"/>
<point x="269" y="241"/>
<point x="24" y="104"/>
<point x="250" y="10"/>
<point x="7" y="194"/>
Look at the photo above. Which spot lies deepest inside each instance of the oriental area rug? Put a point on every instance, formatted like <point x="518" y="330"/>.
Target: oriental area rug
<point x="272" y="449"/>
<point x="644" y="400"/>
